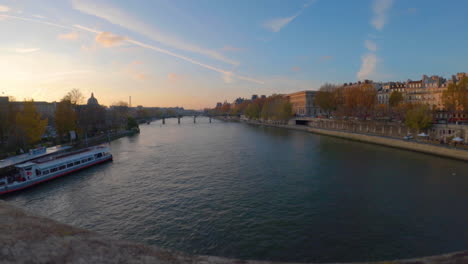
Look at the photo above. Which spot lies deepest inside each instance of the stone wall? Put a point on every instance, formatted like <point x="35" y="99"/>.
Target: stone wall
<point x="397" y="143"/>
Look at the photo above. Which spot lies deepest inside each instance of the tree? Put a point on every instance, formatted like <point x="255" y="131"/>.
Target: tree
<point x="326" y="98"/>
<point x="253" y="111"/>
<point x="30" y="125"/>
<point x="65" y="118"/>
<point x="395" y="98"/>
<point x="419" y="118"/>
<point x="132" y="123"/>
<point x="455" y="98"/>
<point x="75" y="97"/>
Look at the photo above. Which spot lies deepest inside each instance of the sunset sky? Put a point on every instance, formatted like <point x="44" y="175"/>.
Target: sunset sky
<point x="196" y="53"/>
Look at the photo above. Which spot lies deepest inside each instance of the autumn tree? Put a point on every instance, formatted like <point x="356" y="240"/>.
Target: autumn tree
<point x="75" y="97"/>
<point x="419" y="118"/>
<point x="253" y="111"/>
<point x="65" y="117"/>
<point x="276" y="107"/>
<point x="29" y="124"/>
<point x="326" y="98"/>
<point x="395" y="98"/>
<point x="455" y="98"/>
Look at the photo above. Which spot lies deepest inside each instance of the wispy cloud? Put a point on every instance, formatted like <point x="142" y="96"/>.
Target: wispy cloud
<point x="174" y="77"/>
<point x="326" y="58"/>
<point x="28" y="50"/>
<point x="231" y="48"/>
<point x="380" y="8"/>
<point x="371" y="45"/>
<point x="276" y="24"/>
<point x="4" y="8"/>
<point x="107" y="39"/>
<point x="39" y="16"/>
<point x="69" y="36"/>
<point x="119" y="17"/>
<point x="173" y="54"/>
<point x="296" y="69"/>
<point x="368" y="66"/>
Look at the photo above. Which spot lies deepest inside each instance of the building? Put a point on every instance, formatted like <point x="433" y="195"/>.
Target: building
<point x="92" y="100"/>
<point x="45" y="109"/>
<point x="303" y="103"/>
<point x="254" y="97"/>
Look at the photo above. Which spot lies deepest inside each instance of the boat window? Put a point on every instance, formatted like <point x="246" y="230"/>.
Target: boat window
<point x="76" y="162"/>
<point x="69" y="165"/>
<point x="84" y="160"/>
<point x="90" y="159"/>
<point x="53" y="170"/>
<point x="38" y="172"/>
<point x="45" y="172"/>
<point x="62" y="167"/>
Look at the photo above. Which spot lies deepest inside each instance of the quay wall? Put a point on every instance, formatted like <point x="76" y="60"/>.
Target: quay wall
<point x="442" y="151"/>
<point x="396" y="143"/>
<point x="28" y="238"/>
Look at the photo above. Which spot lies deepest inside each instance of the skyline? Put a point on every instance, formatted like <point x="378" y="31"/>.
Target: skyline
<point x="176" y="53"/>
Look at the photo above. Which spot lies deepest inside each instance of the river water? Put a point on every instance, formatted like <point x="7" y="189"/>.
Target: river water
<point x="250" y="192"/>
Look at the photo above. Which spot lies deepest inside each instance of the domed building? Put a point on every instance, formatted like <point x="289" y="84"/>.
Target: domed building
<point x="92" y="100"/>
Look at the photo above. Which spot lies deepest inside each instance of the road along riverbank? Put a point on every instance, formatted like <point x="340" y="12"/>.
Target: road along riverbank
<point x="442" y="151"/>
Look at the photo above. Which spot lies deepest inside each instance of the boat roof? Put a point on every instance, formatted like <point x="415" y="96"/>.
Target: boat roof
<point x="68" y="157"/>
<point x="25" y="165"/>
<point x="12" y="161"/>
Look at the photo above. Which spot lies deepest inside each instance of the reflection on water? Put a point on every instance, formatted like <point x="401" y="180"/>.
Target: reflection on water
<point x="253" y="192"/>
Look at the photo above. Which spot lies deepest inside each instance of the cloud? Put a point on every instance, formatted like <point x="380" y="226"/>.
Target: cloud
<point x="4" y="8"/>
<point x="231" y="48"/>
<point x="296" y="69"/>
<point x="368" y="66"/>
<point x="119" y="17"/>
<point x="380" y="8"/>
<point x="276" y="24"/>
<point x="173" y="54"/>
<point x="69" y="36"/>
<point x="326" y="58"/>
<point x="107" y="39"/>
<point x="227" y="77"/>
<point x="19" y="50"/>
<point x="174" y="77"/>
<point x="371" y="45"/>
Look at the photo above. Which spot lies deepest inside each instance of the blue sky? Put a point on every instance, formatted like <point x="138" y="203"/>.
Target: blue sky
<point x="196" y="53"/>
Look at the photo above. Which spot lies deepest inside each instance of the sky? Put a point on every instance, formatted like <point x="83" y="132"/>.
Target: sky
<point x="196" y="53"/>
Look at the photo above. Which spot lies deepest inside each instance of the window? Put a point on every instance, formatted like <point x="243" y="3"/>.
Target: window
<point x="53" y="170"/>
<point x="84" y="160"/>
<point x="45" y="172"/>
<point x="90" y="159"/>
<point x="69" y="165"/>
<point x="62" y="167"/>
<point x="76" y="162"/>
<point x="99" y="155"/>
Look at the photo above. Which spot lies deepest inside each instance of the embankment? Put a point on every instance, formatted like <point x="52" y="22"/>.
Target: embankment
<point x="442" y="151"/>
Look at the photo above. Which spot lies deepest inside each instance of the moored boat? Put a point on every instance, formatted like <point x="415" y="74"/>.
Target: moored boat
<point x="40" y="170"/>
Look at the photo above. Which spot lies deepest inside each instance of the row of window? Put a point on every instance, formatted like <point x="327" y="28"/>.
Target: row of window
<point x="69" y="165"/>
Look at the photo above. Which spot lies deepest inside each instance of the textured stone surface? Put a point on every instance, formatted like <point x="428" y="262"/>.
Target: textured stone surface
<point x="26" y="238"/>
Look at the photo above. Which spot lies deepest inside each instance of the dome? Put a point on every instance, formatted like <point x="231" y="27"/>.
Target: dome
<point x="92" y="100"/>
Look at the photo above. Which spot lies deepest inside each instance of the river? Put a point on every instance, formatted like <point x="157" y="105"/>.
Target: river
<point x="252" y="192"/>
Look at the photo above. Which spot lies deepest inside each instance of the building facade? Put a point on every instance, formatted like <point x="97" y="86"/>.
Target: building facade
<point x="303" y="103"/>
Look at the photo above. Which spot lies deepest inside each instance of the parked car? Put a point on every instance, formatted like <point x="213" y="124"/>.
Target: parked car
<point x="408" y="137"/>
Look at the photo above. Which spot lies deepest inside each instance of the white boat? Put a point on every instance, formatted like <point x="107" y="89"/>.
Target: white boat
<point x="40" y="170"/>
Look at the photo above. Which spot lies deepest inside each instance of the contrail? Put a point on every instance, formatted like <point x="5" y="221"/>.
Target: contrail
<point x="143" y="45"/>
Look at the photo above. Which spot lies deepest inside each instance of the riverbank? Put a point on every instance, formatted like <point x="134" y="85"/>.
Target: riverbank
<point x="379" y="140"/>
<point x="28" y="238"/>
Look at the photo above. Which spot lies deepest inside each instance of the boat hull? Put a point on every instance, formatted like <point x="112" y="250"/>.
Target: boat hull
<point x="34" y="182"/>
